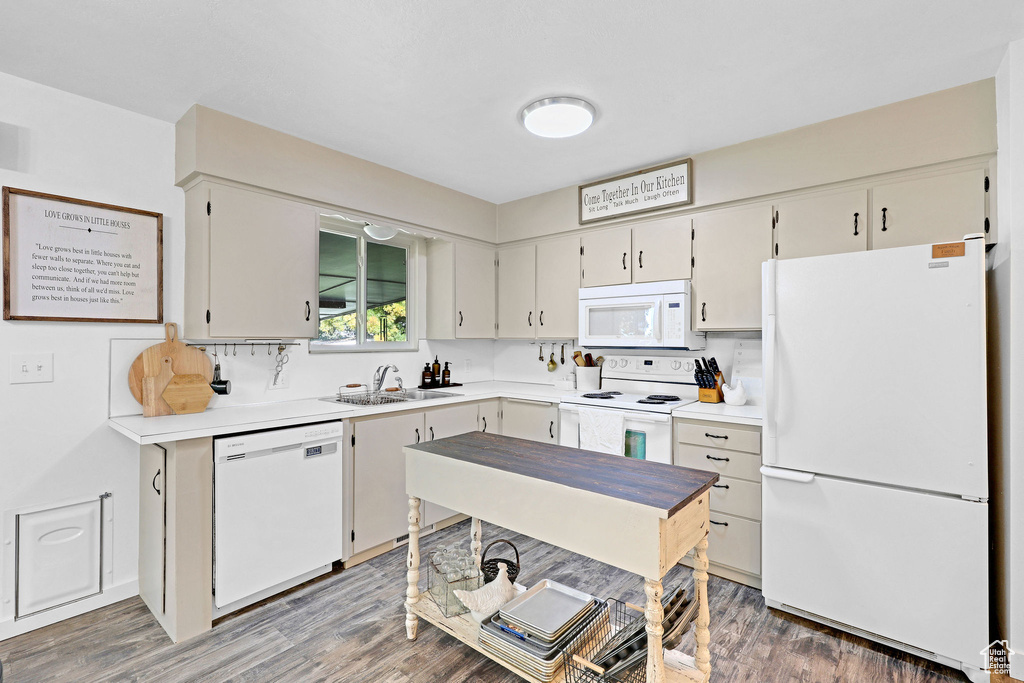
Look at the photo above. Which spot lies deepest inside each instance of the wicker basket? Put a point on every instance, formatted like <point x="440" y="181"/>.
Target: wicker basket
<point x="490" y="567"/>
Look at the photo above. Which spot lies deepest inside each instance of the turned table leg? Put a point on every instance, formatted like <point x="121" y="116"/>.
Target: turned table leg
<point x="655" y="614"/>
<point x="412" y="592"/>
<point x="475" y="536"/>
<point x="702" y="632"/>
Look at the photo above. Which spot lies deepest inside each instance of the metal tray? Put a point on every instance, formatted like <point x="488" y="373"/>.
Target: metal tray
<point x="547" y="609"/>
<point x="532" y="645"/>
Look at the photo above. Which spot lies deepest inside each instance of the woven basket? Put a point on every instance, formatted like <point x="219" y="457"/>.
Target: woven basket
<point x="490" y="567"/>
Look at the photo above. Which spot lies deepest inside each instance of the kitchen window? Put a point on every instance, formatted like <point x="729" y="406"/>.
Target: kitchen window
<point x="365" y="299"/>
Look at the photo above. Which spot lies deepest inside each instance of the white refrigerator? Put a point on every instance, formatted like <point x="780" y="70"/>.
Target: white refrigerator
<point x="875" y="468"/>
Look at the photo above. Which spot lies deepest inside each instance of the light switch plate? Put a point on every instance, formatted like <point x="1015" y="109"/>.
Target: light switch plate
<point x="28" y="368"/>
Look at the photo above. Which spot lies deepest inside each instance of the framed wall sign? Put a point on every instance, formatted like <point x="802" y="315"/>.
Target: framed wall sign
<point x="76" y="260"/>
<point x="641" y="191"/>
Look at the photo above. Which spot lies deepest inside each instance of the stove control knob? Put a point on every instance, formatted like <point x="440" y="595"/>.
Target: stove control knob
<point x="613" y="363"/>
<point x="622" y="362"/>
<point x="676" y="365"/>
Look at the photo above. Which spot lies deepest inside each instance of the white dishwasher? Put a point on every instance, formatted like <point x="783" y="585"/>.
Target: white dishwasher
<point x="277" y="511"/>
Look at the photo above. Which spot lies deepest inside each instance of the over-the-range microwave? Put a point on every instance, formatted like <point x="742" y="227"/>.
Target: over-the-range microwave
<point x="646" y="315"/>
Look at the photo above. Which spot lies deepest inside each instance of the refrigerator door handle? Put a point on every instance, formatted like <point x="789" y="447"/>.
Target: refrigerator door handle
<point x="788" y="475"/>
<point x="768" y="275"/>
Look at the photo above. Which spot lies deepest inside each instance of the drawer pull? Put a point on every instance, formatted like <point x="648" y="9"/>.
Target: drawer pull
<point x="715" y="436"/>
<point x="711" y="457"/>
<point x="719" y="523"/>
<point x="720" y="486"/>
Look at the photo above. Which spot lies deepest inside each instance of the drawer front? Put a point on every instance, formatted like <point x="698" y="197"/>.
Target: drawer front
<point x="725" y="463"/>
<point x="737" y="497"/>
<point x="735" y="543"/>
<point x="719" y="435"/>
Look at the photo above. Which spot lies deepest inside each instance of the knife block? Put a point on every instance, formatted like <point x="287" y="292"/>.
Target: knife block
<point x="712" y="395"/>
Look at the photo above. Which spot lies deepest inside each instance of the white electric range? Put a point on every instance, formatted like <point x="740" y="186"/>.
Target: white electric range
<point x="645" y="389"/>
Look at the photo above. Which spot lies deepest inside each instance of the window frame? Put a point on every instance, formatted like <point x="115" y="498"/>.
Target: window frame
<point x="337" y="224"/>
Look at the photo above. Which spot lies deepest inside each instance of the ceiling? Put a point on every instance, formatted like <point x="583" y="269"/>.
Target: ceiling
<point x="435" y="88"/>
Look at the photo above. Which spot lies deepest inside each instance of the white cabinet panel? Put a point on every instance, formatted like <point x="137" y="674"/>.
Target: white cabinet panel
<point x="941" y="208"/>
<point x="442" y="423"/>
<point x="152" y="526"/>
<point x="517" y="277"/>
<point x="822" y="224"/>
<point x="558" y="288"/>
<point x="474" y="292"/>
<point x="607" y="257"/>
<point x="533" y="420"/>
<point x="380" y="504"/>
<point x="262" y="267"/>
<point x="661" y="250"/>
<point x="728" y="249"/>
<point x="489" y="420"/>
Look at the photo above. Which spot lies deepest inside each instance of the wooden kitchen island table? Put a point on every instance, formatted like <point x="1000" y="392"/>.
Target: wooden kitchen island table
<point x="639" y="516"/>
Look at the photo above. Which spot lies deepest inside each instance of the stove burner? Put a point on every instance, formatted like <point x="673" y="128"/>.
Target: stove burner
<point x="662" y="398"/>
<point x="612" y="393"/>
<point x="650" y="401"/>
<point x="603" y="395"/>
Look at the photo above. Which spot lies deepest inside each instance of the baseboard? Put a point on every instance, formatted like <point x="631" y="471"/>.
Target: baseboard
<point x="123" y="591"/>
<point x="388" y="546"/>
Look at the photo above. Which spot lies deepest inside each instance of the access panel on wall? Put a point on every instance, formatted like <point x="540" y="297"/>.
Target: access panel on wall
<point x="78" y="260"/>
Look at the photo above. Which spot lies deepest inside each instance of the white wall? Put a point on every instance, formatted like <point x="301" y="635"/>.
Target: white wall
<point x="1007" y="298"/>
<point x="55" y="443"/>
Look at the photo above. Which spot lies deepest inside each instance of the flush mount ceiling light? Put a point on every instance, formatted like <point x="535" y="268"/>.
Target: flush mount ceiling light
<point x="558" y="117"/>
<point x="380" y="232"/>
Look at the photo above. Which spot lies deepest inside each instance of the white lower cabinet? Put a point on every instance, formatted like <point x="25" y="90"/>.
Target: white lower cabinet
<point x="527" y="419"/>
<point x="442" y="423"/>
<point x="379" y="502"/>
<point x="489" y="417"/>
<point x="734" y="452"/>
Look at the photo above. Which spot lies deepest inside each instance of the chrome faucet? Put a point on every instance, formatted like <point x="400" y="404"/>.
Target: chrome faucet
<point x="382" y="372"/>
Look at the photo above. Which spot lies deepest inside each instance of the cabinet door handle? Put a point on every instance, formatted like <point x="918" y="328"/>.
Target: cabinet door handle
<point x="431" y="433"/>
<point x="542" y="318"/>
<point x="551" y="429"/>
<point x="719" y="523"/>
<point x="308" y="310"/>
<point x="641" y="258"/>
<point x="154" y="482"/>
<point x="711" y="457"/>
<point x="460" y="318"/>
<point x="720" y="486"/>
<point x="485" y="423"/>
<point x="529" y="318"/>
<point x="703" y="316"/>
<point x="884" y="210"/>
<point x="714" y="436"/>
<point x="623" y="260"/>
<point x="855" y="218"/>
<point x="417" y="435"/>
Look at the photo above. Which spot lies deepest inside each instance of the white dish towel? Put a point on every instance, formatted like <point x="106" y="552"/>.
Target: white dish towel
<point x="603" y="431"/>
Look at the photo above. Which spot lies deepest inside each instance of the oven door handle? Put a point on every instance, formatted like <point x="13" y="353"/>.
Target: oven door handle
<point x="661" y="419"/>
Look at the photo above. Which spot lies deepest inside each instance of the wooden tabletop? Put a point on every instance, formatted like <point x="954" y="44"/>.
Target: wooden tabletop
<point x="657" y="485"/>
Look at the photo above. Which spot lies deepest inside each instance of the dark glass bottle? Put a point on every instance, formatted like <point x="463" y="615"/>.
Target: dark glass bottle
<point x="428" y="377"/>
<point x="446" y="375"/>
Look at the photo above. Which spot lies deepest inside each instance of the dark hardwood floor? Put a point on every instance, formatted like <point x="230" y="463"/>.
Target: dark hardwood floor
<point x="349" y="626"/>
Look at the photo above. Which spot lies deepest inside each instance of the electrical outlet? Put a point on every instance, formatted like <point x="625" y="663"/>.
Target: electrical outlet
<point x="467" y="366"/>
<point x="28" y="368"/>
<point x="278" y="380"/>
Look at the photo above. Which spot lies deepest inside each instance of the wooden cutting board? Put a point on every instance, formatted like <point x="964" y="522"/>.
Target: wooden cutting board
<point x="153" y="403"/>
<point x="188" y="394"/>
<point x="185" y="360"/>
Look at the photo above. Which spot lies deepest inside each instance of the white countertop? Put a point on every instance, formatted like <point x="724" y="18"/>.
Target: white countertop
<point x="749" y="414"/>
<point x="145" y="430"/>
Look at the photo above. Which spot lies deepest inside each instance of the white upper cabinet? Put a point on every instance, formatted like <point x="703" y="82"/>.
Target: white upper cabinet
<point x="607" y="257"/>
<point x="460" y="291"/>
<point x="251" y="263"/>
<point x="939" y="208"/>
<point x="558" y="288"/>
<point x="821" y="224"/>
<point x="517" y="292"/>
<point x="661" y="250"/>
<point x="728" y="249"/>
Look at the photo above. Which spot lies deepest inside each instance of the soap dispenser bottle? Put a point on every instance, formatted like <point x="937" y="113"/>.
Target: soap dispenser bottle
<point x="428" y="377"/>
<point x="446" y="375"/>
<point x="436" y="369"/>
